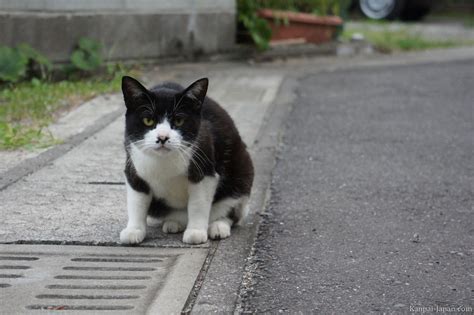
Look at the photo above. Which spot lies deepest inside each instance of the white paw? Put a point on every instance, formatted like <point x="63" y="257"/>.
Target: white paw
<point x="194" y="236"/>
<point x="172" y="227"/>
<point x="151" y="221"/>
<point x="132" y="236"/>
<point x="219" y="230"/>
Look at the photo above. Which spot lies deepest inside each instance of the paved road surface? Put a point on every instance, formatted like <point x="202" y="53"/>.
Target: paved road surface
<point x="372" y="196"/>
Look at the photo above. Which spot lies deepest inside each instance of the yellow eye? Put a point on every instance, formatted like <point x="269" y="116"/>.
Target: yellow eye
<point x="148" y="122"/>
<point x="178" y="122"/>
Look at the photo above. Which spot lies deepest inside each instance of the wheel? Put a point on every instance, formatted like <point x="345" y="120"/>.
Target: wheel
<point x="381" y="9"/>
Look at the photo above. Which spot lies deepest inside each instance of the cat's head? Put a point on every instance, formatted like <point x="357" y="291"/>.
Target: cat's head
<point x="164" y="119"/>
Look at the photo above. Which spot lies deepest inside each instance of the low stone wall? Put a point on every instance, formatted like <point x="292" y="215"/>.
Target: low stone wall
<point x="140" y="29"/>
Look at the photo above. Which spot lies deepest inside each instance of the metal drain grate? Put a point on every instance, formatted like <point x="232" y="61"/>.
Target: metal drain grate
<point x="36" y="278"/>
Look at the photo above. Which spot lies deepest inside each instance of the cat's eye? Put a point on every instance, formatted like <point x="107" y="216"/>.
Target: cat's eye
<point x="148" y="122"/>
<point x="178" y="122"/>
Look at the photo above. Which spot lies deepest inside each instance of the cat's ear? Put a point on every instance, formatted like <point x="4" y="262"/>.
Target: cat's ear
<point x="132" y="90"/>
<point x="196" y="92"/>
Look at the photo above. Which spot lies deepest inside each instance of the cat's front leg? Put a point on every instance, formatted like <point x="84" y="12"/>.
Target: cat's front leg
<point x="201" y="195"/>
<point x="137" y="208"/>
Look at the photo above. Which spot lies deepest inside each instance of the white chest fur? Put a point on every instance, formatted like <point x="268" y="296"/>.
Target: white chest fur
<point x="166" y="175"/>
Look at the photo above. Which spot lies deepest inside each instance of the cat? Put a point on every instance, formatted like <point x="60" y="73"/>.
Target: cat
<point x="186" y="163"/>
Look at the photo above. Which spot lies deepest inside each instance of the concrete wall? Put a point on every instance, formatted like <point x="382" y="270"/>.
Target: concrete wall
<point x="128" y="29"/>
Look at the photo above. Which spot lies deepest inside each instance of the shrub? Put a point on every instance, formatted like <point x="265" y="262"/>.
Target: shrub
<point x="38" y="64"/>
<point x="318" y="7"/>
<point x="22" y="61"/>
<point x="258" y="27"/>
<point x="12" y="64"/>
<point x="87" y="57"/>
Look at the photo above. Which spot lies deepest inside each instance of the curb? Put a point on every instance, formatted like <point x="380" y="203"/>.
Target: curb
<point x="224" y="281"/>
<point x="37" y="162"/>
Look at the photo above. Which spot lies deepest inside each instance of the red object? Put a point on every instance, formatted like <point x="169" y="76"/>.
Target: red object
<point x="314" y="29"/>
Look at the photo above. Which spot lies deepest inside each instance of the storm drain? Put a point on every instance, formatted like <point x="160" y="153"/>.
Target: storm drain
<point x="128" y="280"/>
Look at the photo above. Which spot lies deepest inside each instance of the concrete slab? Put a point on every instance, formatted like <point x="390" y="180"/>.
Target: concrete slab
<point x="105" y="280"/>
<point x="117" y="5"/>
<point x="89" y="113"/>
<point x="219" y="292"/>
<point x="71" y="124"/>
<point x="186" y="28"/>
<point x="80" y="197"/>
<point x="71" y="130"/>
<point x="10" y="159"/>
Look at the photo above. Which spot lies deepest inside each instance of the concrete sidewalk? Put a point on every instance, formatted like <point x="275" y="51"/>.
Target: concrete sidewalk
<point x="74" y="194"/>
<point x="78" y="198"/>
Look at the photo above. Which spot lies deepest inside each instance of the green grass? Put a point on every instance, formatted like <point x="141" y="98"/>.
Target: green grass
<point x="26" y="109"/>
<point x="467" y="19"/>
<point x="386" y="40"/>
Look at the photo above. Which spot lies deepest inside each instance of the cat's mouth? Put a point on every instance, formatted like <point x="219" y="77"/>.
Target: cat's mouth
<point x="161" y="148"/>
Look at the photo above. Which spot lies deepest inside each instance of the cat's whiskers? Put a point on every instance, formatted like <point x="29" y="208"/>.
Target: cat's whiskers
<point x="198" y="152"/>
<point x="190" y="156"/>
<point x="144" y="145"/>
<point x="198" y="160"/>
<point x="181" y="156"/>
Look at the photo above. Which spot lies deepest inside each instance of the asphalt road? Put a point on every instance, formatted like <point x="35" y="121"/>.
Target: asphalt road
<point x="372" y="195"/>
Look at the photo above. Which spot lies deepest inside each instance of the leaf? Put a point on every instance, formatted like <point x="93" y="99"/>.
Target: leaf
<point x="35" y="55"/>
<point x="35" y="82"/>
<point x="88" y="55"/>
<point x="82" y="62"/>
<point x="89" y="45"/>
<point x="13" y="64"/>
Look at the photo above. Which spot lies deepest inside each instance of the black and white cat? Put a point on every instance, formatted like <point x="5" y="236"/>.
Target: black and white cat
<point x="186" y="163"/>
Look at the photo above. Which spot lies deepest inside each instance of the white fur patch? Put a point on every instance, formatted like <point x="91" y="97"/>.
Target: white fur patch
<point x="166" y="175"/>
<point x="149" y="143"/>
<point x="222" y="208"/>
<point x="178" y="218"/>
<point x="194" y="236"/>
<point x="171" y="226"/>
<point x="152" y="221"/>
<point x="137" y="208"/>
<point x="201" y="195"/>
<point x="219" y="229"/>
<point x="132" y="235"/>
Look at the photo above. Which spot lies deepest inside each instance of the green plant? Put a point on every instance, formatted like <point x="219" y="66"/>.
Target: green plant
<point x="87" y="57"/>
<point x="259" y="29"/>
<point x="21" y="62"/>
<point x="387" y="40"/>
<point x="318" y="7"/>
<point x="38" y="63"/>
<point x="28" y="107"/>
<point x="12" y="64"/>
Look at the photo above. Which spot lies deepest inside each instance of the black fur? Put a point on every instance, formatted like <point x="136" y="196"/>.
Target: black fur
<point x="206" y="124"/>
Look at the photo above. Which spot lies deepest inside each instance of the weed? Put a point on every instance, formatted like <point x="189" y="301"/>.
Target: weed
<point x="17" y="63"/>
<point x="27" y="108"/>
<point x="87" y="56"/>
<point x="387" y="40"/>
<point x="259" y="28"/>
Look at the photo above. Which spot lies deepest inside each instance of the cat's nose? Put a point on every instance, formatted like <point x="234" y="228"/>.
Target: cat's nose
<point x="162" y="139"/>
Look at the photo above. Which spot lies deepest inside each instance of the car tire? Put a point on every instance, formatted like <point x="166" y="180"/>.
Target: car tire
<point x="382" y="9"/>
